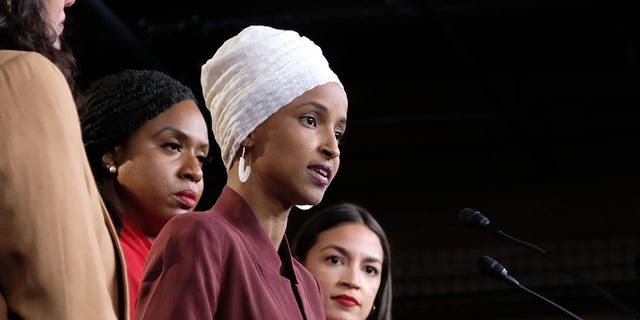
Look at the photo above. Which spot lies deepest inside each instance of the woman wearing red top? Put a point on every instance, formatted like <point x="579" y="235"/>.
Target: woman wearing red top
<point x="146" y="139"/>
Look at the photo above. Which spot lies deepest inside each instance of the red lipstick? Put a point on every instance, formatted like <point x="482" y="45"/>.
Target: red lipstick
<point x="345" y="300"/>
<point x="187" y="198"/>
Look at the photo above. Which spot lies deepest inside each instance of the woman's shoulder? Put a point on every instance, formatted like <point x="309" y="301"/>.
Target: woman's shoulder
<point x="32" y="83"/>
<point x="29" y="66"/>
<point x="198" y="224"/>
<point x="28" y="58"/>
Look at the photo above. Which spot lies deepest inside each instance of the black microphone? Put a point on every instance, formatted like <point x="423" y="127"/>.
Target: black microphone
<point x="476" y="220"/>
<point x="494" y="269"/>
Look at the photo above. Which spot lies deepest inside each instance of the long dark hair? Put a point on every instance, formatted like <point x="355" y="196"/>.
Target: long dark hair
<point x="24" y="25"/>
<point x="332" y="216"/>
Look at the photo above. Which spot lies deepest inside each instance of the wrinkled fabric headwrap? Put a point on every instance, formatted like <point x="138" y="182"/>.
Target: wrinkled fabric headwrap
<point x="252" y="75"/>
<point x="117" y="105"/>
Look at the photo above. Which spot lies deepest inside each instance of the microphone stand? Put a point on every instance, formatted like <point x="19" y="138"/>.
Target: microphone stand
<point x="564" y="268"/>
<point x="494" y="269"/>
<point x="548" y="301"/>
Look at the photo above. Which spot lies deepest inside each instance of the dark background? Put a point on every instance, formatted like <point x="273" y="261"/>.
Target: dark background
<point x="525" y="110"/>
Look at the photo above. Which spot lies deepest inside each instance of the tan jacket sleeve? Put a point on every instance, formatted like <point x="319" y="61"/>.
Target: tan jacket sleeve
<point x="59" y="255"/>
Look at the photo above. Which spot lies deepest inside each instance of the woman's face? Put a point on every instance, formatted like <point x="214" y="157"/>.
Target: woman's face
<point x="160" y="167"/>
<point x="296" y="148"/>
<point x="55" y="12"/>
<point x="347" y="261"/>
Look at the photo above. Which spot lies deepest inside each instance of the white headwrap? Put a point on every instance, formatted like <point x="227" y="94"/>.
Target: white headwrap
<point x="252" y="75"/>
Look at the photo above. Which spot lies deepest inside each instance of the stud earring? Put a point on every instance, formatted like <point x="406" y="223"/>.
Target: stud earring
<point x="113" y="169"/>
<point x="243" y="173"/>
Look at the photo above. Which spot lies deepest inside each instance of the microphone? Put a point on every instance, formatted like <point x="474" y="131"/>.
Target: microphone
<point x="494" y="269"/>
<point x="476" y="220"/>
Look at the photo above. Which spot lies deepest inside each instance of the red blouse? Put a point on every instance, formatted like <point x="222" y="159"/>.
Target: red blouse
<point x="135" y="247"/>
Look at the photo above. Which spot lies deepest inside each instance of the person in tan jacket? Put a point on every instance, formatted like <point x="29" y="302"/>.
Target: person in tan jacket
<point x="59" y="255"/>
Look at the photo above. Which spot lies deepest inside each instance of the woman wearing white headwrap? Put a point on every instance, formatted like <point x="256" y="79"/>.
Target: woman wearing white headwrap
<point x="278" y="113"/>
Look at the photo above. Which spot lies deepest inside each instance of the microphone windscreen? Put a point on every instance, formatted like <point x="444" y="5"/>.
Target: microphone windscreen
<point x="473" y="218"/>
<point x="491" y="267"/>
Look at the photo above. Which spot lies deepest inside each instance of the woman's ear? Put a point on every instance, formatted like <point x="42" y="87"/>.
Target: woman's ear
<point x="113" y="157"/>
<point x="108" y="159"/>
<point x="248" y="141"/>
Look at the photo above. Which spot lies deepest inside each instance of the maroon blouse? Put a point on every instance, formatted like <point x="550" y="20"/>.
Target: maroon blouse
<point x="220" y="264"/>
